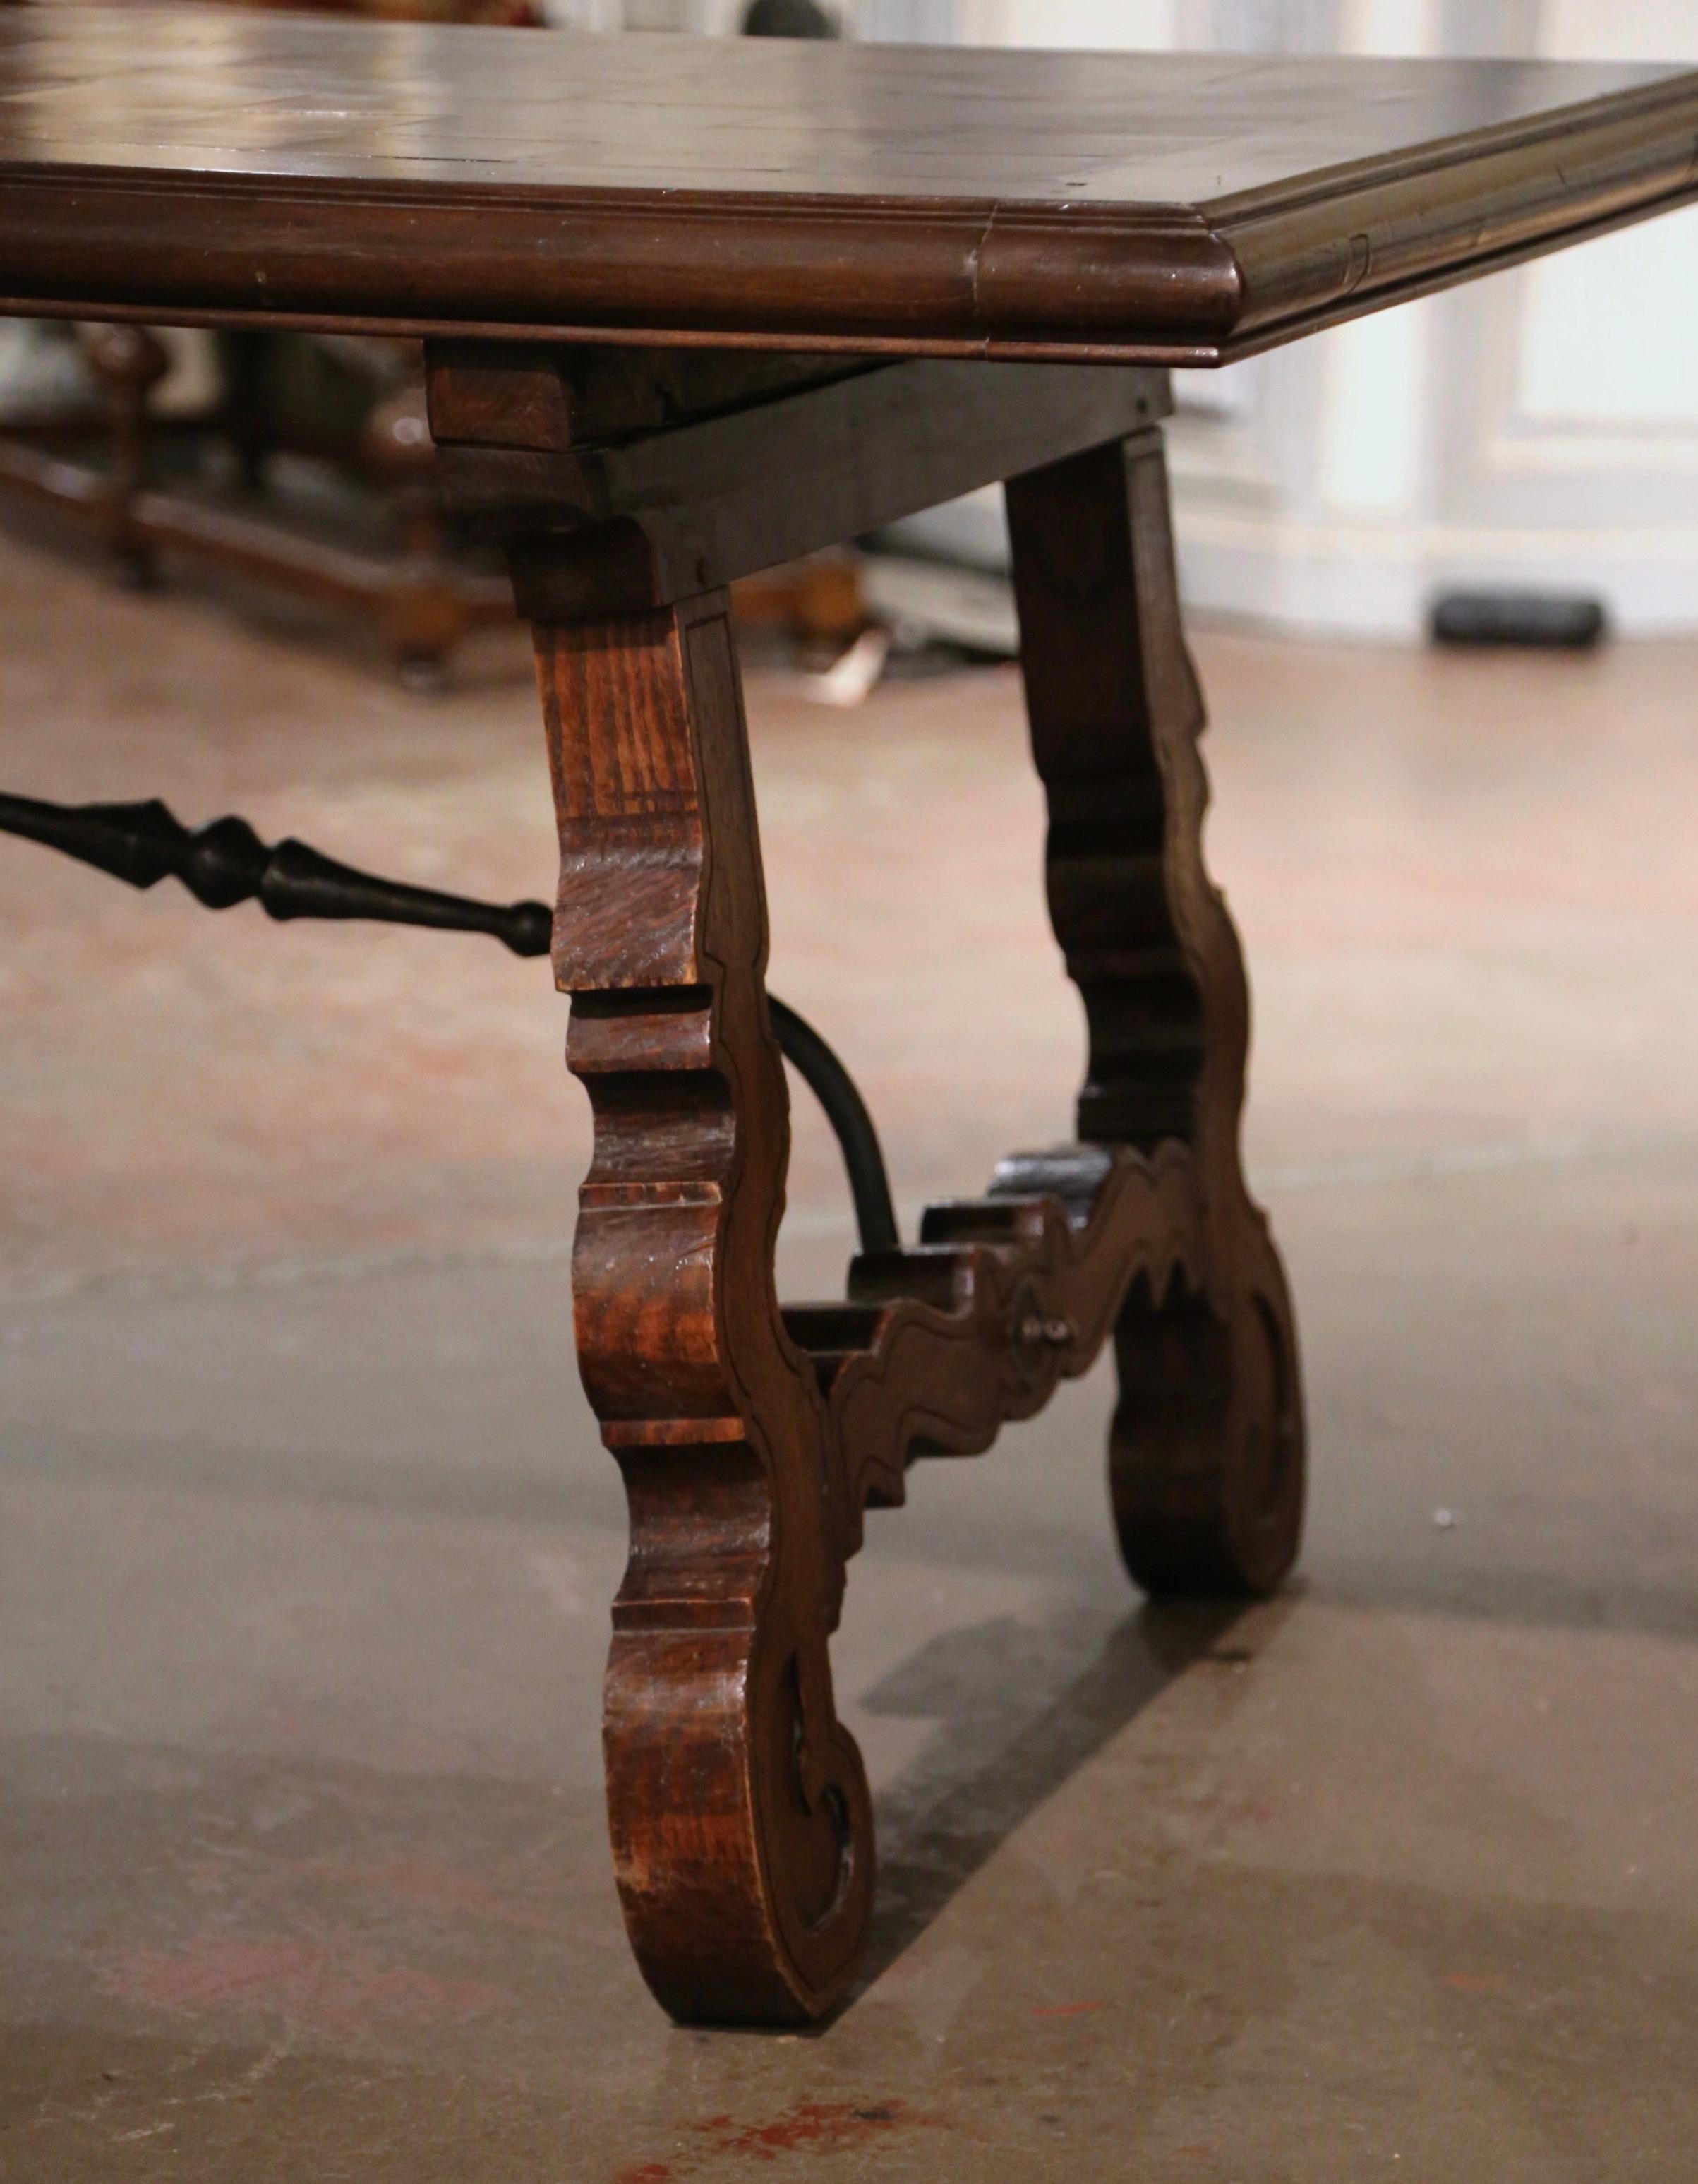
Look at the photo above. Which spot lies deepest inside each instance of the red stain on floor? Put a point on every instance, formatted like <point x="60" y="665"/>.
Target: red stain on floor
<point x="824" y="2126"/>
<point x="337" y="1990"/>
<point x="645" y="2172"/>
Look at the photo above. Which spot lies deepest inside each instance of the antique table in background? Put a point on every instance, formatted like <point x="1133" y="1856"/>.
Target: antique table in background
<point x="692" y="309"/>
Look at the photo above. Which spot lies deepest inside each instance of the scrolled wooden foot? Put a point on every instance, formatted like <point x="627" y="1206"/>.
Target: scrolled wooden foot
<point x="1207" y="1452"/>
<point x="737" y="1807"/>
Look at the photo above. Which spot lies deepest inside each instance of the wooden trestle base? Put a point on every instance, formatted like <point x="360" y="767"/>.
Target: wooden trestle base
<point x="630" y="488"/>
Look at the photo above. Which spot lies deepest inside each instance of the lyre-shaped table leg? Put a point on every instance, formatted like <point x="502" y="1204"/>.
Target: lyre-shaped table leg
<point x="753" y="1439"/>
<point x="741" y="1827"/>
<point x="1206" y="1461"/>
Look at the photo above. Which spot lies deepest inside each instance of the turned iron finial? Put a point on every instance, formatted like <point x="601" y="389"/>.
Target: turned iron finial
<point x="225" y="862"/>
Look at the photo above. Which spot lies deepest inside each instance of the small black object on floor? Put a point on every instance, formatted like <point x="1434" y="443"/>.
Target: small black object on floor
<point x="788" y="19"/>
<point x="1568" y="621"/>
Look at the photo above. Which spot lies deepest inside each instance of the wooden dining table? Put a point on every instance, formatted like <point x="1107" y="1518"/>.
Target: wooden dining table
<point x="690" y="308"/>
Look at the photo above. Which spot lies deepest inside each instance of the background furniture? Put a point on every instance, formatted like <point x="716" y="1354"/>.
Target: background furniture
<point x="155" y="485"/>
<point x="204" y="486"/>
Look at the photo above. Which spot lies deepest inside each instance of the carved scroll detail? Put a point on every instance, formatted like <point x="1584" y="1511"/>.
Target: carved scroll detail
<point x="739" y="1808"/>
<point x="1145" y="1228"/>
<point x="938" y="1347"/>
<point x="752" y="1439"/>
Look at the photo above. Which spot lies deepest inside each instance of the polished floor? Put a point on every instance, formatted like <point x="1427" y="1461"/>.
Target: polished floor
<point x="306" y="1536"/>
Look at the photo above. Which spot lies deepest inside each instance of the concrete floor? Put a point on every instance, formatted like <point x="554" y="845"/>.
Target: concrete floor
<point x="307" y="1536"/>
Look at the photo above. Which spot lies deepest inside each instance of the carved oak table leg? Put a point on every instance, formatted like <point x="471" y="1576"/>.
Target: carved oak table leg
<point x="1208" y="1449"/>
<point x="630" y="490"/>
<point x="741" y="1832"/>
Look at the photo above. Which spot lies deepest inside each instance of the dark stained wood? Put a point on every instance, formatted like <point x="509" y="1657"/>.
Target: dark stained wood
<point x="1208" y="1449"/>
<point x="841" y="203"/>
<point x="752" y="1438"/>
<point x="560" y="400"/>
<point x="1004" y="1297"/>
<point x="742" y="1827"/>
<point x="1148" y="207"/>
<point x="665" y="514"/>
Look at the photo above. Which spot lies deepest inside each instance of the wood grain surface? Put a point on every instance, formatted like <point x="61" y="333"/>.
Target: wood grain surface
<point x="641" y="521"/>
<point x="752" y="1436"/>
<point x="188" y="164"/>
<point x="1207" y="1455"/>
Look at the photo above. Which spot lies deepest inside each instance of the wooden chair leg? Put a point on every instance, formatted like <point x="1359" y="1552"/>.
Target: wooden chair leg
<point x="423" y="616"/>
<point x="1207" y="1459"/>
<point x="128" y="361"/>
<point x="741" y="1825"/>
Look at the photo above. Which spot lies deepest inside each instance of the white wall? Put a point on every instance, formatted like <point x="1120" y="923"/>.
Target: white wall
<point x="1539" y="428"/>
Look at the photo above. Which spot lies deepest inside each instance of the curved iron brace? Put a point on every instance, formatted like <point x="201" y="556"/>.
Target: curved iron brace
<point x="832" y="1085"/>
<point x="225" y="862"/>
